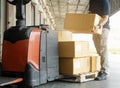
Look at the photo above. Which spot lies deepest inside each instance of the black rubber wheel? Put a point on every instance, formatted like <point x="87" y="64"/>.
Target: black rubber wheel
<point x="13" y="2"/>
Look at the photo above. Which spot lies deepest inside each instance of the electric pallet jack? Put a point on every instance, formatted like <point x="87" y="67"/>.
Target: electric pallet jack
<point x="29" y="53"/>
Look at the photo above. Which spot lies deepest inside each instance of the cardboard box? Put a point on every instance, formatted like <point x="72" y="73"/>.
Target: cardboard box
<point x="81" y="23"/>
<point x="73" y="48"/>
<point x="74" y="66"/>
<point x="95" y="63"/>
<point x="64" y="35"/>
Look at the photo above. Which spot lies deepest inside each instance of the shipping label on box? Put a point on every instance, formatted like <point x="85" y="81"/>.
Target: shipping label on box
<point x="81" y="23"/>
<point x="73" y="48"/>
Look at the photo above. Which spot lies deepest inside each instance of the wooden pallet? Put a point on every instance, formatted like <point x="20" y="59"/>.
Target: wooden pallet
<point x="88" y="76"/>
<point x="79" y="78"/>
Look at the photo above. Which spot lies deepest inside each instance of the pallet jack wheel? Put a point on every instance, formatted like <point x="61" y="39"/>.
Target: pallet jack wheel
<point x="14" y="2"/>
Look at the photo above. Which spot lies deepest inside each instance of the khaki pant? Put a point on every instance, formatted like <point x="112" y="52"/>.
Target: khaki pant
<point x="100" y="42"/>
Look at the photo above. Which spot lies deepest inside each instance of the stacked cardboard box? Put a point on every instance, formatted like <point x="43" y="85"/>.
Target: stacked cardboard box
<point x="95" y="63"/>
<point x="74" y="66"/>
<point x="74" y="57"/>
<point x="64" y="35"/>
<point x="82" y="23"/>
<point x="73" y="49"/>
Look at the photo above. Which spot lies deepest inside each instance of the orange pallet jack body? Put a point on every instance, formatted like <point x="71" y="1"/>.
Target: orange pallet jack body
<point x="29" y="54"/>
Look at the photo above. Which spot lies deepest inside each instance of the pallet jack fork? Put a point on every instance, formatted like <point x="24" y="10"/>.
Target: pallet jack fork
<point x="29" y="53"/>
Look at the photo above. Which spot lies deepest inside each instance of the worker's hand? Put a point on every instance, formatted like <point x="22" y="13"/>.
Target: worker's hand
<point x="98" y="29"/>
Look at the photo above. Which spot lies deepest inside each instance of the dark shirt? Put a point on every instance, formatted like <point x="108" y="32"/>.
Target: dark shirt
<point x="100" y="7"/>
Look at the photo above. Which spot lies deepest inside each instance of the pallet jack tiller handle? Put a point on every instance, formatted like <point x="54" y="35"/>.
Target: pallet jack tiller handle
<point x="20" y="10"/>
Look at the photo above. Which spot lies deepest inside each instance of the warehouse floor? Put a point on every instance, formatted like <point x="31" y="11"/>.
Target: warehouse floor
<point x="113" y="80"/>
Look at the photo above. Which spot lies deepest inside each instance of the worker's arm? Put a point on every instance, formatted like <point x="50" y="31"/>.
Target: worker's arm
<point x="98" y="28"/>
<point x="102" y="22"/>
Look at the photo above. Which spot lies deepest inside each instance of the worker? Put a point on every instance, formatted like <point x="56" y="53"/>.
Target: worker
<point x="102" y="8"/>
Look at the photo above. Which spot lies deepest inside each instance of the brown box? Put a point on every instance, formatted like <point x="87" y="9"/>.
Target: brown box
<point x="74" y="66"/>
<point x="64" y="35"/>
<point x="81" y="23"/>
<point x="95" y="63"/>
<point x="73" y="48"/>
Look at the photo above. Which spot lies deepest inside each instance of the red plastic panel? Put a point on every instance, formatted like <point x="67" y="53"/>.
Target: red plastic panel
<point x="34" y="48"/>
<point x="14" y="57"/>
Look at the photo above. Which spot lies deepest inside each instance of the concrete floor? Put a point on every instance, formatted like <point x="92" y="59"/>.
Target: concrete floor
<point x="113" y="80"/>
